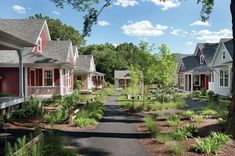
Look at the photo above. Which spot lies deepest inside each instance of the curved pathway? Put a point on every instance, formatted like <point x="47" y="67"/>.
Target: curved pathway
<point x="116" y="135"/>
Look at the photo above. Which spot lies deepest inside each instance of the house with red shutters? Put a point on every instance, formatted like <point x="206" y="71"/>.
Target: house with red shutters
<point x="47" y="67"/>
<point x="195" y="71"/>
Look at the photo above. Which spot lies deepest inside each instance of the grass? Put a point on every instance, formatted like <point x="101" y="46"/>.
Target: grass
<point x="150" y="123"/>
<point x="177" y="148"/>
<point x="162" y="138"/>
<point x="83" y="122"/>
<point x="174" y="122"/>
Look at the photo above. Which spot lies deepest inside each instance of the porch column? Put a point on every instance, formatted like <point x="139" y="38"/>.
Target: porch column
<point x="21" y="73"/>
<point x="191" y="82"/>
<point x="61" y="82"/>
<point x="26" y="81"/>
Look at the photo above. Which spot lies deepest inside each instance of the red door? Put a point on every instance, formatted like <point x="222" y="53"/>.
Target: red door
<point x="32" y="78"/>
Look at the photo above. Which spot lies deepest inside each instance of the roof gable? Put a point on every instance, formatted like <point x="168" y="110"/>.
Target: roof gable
<point x="84" y="62"/>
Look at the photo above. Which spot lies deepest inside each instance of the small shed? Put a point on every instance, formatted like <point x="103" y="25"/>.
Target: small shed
<point x="121" y="78"/>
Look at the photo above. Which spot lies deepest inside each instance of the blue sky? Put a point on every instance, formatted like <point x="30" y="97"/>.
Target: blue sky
<point x="176" y="23"/>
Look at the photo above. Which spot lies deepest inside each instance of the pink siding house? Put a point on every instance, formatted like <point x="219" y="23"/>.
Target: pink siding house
<point x="48" y="67"/>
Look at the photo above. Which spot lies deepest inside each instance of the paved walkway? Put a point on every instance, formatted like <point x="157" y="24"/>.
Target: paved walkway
<point x="116" y="135"/>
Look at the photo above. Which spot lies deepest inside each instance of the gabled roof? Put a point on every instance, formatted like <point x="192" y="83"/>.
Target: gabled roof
<point x="190" y="62"/>
<point x="84" y="62"/>
<point x="208" y="50"/>
<point x="180" y="56"/>
<point x="228" y="43"/>
<point x="55" y="52"/>
<point x="26" y="29"/>
<point x="121" y="74"/>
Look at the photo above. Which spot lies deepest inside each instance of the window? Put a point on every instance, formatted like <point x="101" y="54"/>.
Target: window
<point x="48" y="78"/>
<point x="196" y="80"/>
<point x="223" y="55"/>
<point x="181" y="77"/>
<point x="201" y="59"/>
<point x="39" y="45"/>
<point x="224" y="78"/>
<point x="69" y="78"/>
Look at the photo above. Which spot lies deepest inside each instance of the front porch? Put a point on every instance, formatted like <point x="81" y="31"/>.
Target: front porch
<point x="196" y="81"/>
<point x="44" y="82"/>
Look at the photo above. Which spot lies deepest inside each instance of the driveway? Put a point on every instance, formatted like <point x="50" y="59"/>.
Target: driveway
<point x="116" y="135"/>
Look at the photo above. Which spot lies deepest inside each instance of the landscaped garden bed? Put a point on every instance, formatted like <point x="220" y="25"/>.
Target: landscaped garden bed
<point x="189" y="132"/>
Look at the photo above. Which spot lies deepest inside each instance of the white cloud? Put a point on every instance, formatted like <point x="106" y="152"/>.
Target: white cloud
<point x="179" y="32"/>
<point x="211" y="36"/>
<point x="126" y="3"/>
<point x="168" y="4"/>
<point x="19" y="9"/>
<point x="200" y="23"/>
<point x="189" y="43"/>
<point x="143" y="29"/>
<point x="103" y="23"/>
<point x="56" y="13"/>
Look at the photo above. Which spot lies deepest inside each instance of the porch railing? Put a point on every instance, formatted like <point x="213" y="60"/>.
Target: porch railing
<point x="211" y="86"/>
<point x="43" y="90"/>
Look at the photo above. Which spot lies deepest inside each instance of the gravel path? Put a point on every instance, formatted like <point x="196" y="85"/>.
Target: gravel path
<point x="116" y="135"/>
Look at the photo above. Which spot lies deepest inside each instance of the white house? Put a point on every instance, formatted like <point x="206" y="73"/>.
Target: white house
<point x="121" y="78"/>
<point x="222" y="68"/>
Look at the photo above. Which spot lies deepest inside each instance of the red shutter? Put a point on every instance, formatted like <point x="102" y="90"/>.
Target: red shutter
<point x="56" y="77"/>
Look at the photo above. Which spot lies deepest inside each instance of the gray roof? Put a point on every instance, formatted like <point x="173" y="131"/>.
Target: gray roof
<point x="208" y="50"/>
<point x="201" y="69"/>
<point x="121" y="74"/>
<point x="26" y="29"/>
<point x="55" y="52"/>
<point x="180" y="56"/>
<point x="83" y="62"/>
<point x="228" y="42"/>
<point x="190" y="62"/>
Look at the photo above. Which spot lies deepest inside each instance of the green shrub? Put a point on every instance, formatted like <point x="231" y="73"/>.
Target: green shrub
<point x="197" y="118"/>
<point x="210" y="94"/>
<point x="180" y="134"/>
<point x="203" y="92"/>
<point x="150" y="123"/>
<point x="174" y="122"/>
<point x="95" y="110"/>
<point x="188" y="113"/>
<point x="19" y="144"/>
<point x="212" y="143"/>
<point x="162" y="138"/>
<point x="83" y="122"/>
<point x="208" y="112"/>
<point x="196" y="94"/>
<point x="177" y="148"/>
<point x="56" y="99"/>
<point x="191" y="128"/>
<point x="31" y="108"/>
<point x="57" y="117"/>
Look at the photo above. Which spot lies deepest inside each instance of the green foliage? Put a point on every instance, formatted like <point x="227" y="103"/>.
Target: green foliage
<point x="180" y="134"/>
<point x="196" y="94"/>
<point x="150" y="123"/>
<point x="78" y="85"/>
<point x="162" y="138"/>
<point x="210" y="94"/>
<point x="134" y="87"/>
<point x="31" y="108"/>
<point x="197" y="118"/>
<point x="56" y="99"/>
<point x="83" y="122"/>
<point x="188" y="113"/>
<point x="203" y="92"/>
<point x="57" y="117"/>
<point x="191" y="128"/>
<point x="177" y="148"/>
<point x="207" y="112"/>
<point x="174" y="122"/>
<point x="70" y="101"/>
<point x="212" y="143"/>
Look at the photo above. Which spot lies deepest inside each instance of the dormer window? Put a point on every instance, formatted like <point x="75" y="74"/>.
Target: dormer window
<point x="223" y="55"/>
<point x="201" y="59"/>
<point x="39" y="45"/>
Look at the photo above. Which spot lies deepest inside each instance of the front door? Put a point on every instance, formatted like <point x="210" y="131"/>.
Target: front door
<point x="32" y="77"/>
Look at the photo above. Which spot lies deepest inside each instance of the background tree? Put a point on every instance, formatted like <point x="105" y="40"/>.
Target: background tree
<point x="61" y="31"/>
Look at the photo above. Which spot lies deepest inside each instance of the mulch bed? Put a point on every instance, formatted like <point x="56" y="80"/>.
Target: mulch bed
<point x="30" y="124"/>
<point x="159" y="149"/>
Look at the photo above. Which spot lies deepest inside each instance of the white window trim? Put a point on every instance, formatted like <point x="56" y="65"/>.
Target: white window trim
<point x="199" y="80"/>
<point x="224" y="78"/>
<point x="39" y="46"/>
<point x="44" y="78"/>
<point x="201" y="59"/>
<point x="223" y="54"/>
<point x="181" y="80"/>
<point x="69" y="78"/>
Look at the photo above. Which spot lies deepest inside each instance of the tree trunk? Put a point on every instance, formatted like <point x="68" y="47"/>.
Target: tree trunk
<point x="231" y="115"/>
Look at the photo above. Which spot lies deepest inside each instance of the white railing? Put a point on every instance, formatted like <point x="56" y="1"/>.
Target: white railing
<point x="42" y="90"/>
<point x="211" y="86"/>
